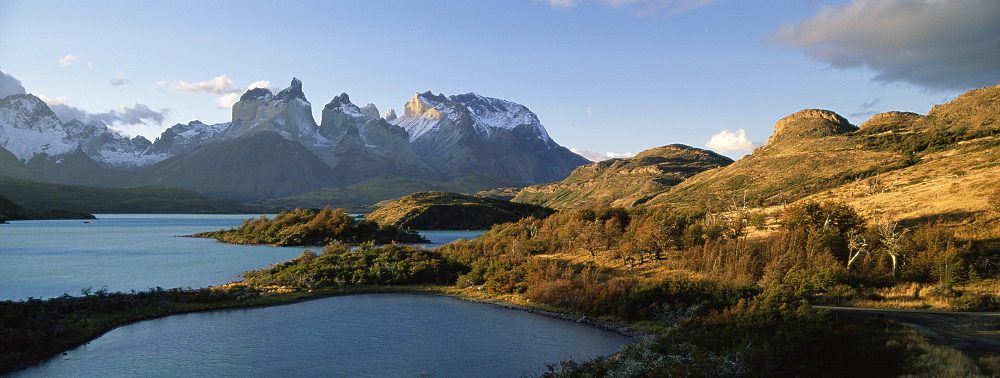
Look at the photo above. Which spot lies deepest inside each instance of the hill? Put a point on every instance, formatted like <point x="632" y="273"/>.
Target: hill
<point x="897" y="164"/>
<point x="39" y="196"/>
<point x="12" y="211"/>
<point x="363" y="197"/>
<point x="624" y="182"/>
<point x="11" y="166"/>
<point x="308" y="227"/>
<point x="451" y="211"/>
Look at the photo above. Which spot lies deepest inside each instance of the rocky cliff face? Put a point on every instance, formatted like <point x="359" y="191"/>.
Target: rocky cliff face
<point x="472" y="133"/>
<point x="288" y="114"/>
<point x="366" y="146"/>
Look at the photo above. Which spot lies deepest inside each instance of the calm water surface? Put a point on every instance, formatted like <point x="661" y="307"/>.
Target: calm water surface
<point x="124" y="252"/>
<point x="380" y="335"/>
<point x="363" y="335"/>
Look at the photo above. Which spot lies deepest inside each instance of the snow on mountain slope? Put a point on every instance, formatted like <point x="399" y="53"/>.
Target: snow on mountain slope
<point x="425" y="112"/>
<point x="28" y="127"/>
<point x="181" y="138"/>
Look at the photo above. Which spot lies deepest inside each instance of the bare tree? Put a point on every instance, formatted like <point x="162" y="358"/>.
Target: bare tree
<point x="856" y="246"/>
<point x="892" y="237"/>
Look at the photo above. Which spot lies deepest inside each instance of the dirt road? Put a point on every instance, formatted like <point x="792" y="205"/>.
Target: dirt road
<point x="975" y="333"/>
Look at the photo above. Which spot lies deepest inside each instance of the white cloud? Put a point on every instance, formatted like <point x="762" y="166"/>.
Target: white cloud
<point x="726" y="141"/>
<point x="68" y="60"/>
<point x="597" y="156"/>
<point x="639" y="7"/>
<point x="9" y="85"/>
<point x="220" y="85"/>
<point x="124" y="115"/>
<point x="52" y="100"/>
<point x="935" y="44"/>
<point x="562" y="3"/>
<point x="227" y="101"/>
<point x="119" y="80"/>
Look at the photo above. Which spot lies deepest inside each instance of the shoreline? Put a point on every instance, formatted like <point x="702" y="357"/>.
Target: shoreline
<point x="617" y="327"/>
<point x="299" y="297"/>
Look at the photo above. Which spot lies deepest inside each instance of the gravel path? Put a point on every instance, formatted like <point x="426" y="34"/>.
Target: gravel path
<point x="975" y="333"/>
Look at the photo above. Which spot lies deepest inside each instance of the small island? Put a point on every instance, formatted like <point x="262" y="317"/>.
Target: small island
<point x="310" y="227"/>
<point x="452" y="211"/>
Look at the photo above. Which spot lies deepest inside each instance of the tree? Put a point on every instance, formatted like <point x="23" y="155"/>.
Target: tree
<point x="891" y="237"/>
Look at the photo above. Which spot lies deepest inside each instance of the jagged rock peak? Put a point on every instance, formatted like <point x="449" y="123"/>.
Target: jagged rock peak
<point x="257" y="94"/>
<point x="811" y="123"/>
<point x="390" y="115"/>
<point x="370" y="111"/>
<point x="338" y="101"/>
<point x="293" y="91"/>
<point x="423" y="105"/>
<point x="342" y="104"/>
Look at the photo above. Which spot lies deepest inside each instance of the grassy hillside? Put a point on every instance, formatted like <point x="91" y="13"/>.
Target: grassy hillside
<point x="87" y="199"/>
<point x="363" y="196"/>
<point x="452" y="211"/>
<point x="624" y="182"/>
<point x="896" y="162"/>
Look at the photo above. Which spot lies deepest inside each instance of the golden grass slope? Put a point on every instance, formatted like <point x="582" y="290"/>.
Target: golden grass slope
<point x="901" y="165"/>
<point x="624" y="182"/>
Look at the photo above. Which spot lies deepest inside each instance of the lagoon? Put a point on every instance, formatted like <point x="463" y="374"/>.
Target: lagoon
<point x="380" y="335"/>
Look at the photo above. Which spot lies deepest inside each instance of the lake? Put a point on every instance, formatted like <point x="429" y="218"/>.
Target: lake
<point x="123" y="252"/>
<point x="372" y="335"/>
<point x="360" y="335"/>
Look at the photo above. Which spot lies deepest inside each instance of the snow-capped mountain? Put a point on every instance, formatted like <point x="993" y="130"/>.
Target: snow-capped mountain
<point x="274" y="147"/>
<point x="181" y="138"/>
<point x="472" y="133"/>
<point x="287" y="113"/>
<point x="31" y="131"/>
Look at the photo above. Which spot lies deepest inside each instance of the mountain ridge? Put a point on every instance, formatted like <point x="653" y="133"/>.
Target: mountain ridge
<point x="354" y="143"/>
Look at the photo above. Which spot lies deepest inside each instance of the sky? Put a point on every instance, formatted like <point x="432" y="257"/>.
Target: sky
<point x="607" y="78"/>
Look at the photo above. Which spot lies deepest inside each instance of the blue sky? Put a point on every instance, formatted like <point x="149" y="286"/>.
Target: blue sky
<point x="602" y="75"/>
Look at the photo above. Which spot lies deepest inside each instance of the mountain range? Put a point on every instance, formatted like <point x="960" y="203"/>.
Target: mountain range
<point x="272" y="147"/>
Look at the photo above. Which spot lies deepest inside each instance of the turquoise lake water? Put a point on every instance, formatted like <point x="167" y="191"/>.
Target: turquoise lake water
<point x="123" y="252"/>
<point x="385" y="335"/>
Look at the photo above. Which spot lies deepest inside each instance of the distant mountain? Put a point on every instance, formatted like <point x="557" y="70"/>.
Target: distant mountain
<point x="11" y="166"/>
<point x="259" y="166"/>
<point x="272" y="147"/>
<point x="624" y="182"/>
<point x="469" y="133"/>
<point x="180" y="139"/>
<point x="33" y="133"/>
